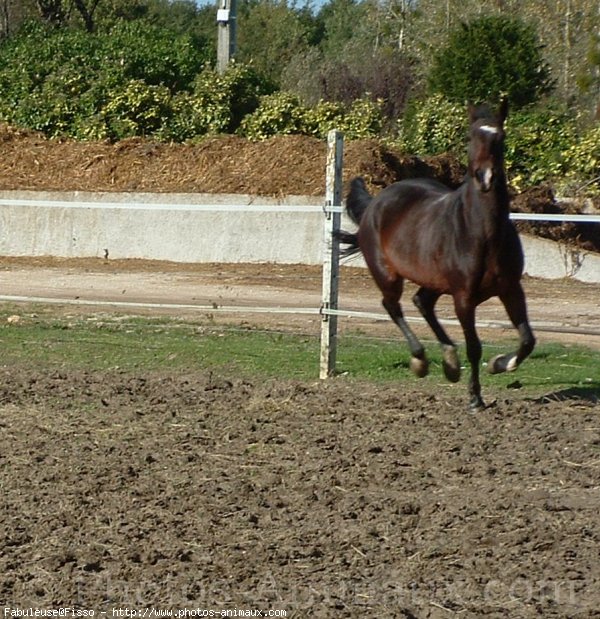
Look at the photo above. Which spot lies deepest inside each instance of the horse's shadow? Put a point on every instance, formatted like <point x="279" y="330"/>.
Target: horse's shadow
<point x="590" y="394"/>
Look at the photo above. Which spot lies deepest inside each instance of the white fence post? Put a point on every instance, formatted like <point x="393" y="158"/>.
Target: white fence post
<point x="331" y="253"/>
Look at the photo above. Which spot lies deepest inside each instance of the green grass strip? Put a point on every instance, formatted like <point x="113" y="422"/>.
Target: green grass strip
<point x="150" y="344"/>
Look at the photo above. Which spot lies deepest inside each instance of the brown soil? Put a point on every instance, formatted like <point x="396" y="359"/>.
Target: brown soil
<point x="140" y="490"/>
<point x="337" y="499"/>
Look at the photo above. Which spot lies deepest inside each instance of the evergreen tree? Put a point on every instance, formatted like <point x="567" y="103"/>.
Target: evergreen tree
<point x="490" y="57"/>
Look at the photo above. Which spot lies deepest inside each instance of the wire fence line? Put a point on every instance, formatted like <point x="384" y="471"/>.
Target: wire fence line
<point x="545" y="326"/>
<point x="317" y="209"/>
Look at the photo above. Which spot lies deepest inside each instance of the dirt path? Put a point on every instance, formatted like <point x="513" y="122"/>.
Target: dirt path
<point x="206" y="289"/>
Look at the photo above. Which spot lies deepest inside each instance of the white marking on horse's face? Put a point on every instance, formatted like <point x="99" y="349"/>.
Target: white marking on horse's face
<point x="487" y="177"/>
<point x="489" y="129"/>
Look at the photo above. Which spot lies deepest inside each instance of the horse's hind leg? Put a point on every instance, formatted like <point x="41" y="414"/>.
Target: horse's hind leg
<point x="425" y="300"/>
<point x="392" y="290"/>
<point x="516" y="308"/>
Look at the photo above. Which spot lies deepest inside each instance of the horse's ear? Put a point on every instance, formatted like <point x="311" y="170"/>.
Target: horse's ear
<point x="503" y="111"/>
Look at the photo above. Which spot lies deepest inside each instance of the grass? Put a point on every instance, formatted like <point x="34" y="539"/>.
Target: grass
<point x="44" y="340"/>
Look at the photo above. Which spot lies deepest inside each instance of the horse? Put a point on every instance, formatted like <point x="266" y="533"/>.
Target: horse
<point x="459" y="242"/>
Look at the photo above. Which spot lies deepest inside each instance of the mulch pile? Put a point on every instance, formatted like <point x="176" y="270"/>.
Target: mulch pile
<point x="282" y="165"/>
<point x="542" y="200"/>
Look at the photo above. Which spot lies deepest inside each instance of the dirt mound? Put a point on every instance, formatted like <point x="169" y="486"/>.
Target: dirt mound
<point x="321" y="499"/>
<point x="282" y="165"/>
<point x="542" y="200"/>
<point x="217" y="165"/>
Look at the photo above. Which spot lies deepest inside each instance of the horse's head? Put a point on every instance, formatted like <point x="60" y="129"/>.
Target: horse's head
<point x="486" y="145"/>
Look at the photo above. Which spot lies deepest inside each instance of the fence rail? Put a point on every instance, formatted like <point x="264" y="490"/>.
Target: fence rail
<point x="174" y="206"/>
<point x="552" y="217"/>
<point x="546" y="326"/>
<point x="257" y="208"/>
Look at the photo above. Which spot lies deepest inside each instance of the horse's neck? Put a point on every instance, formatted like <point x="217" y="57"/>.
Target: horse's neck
<point x="487" y="212"/>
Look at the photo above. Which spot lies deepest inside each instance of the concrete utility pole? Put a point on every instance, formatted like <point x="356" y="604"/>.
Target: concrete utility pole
<point x="226" y="25"/>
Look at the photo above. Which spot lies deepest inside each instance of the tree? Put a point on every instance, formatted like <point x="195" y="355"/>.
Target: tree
<point x="53" y="12"/>
<point x="12" y="15"/>
<point x="344" y="21"/>
<point x="490" y="57"/>
<point x="269" y="34"/>
<point x="563" y="27"/>
<point x="87" y="10"/>
<point x="589" y="77"/>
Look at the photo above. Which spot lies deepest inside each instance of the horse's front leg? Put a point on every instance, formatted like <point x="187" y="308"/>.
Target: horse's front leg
<point x="465" y="312"/>
<point x="516" y="308"/>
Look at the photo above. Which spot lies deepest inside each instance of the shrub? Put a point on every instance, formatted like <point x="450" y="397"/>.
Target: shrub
<point x="582" y="162"/>
<point x="283" y="113"/>
<point x="64" y="81"/>
<point x="325" y="116"/>
<point x="490" y="57"/>
<point x="535" y="145"/>
<point x="279" y="113"/>
<point x="218" y="103"/>
<point x="43" y="74"/>
<point x="140" y="51"/>
<point x="138" y="109"/>
<point x="433" y="126"/>
<point x="239" y="89"/>
<point x="364" y="119"/>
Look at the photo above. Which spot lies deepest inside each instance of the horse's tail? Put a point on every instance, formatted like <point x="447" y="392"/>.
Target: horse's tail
<point x="357" y="200"/>
<point x="350" y="239"/>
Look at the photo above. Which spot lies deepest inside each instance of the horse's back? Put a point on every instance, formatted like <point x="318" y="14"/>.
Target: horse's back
<point x="410" y="190"/>
<point x="418" y="200"/>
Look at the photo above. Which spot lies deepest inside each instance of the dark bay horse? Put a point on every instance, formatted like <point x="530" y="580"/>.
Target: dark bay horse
<point x="458" y="242"/>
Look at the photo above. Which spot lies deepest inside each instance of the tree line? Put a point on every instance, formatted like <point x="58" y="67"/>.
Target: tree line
<point x="398" y="69"/>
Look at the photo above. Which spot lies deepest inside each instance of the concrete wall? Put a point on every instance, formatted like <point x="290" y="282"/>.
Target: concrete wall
<point x="174" y="227"/>
<point x="159" y="227"/>
<point x="550" y="260"/>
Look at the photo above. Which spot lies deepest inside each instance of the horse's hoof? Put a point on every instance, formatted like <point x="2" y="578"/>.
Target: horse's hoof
<point x="419" y="367"/>
<point x="502" y="363"/>
<point x="451" y="364"/>
<point x="477" y="404"/>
